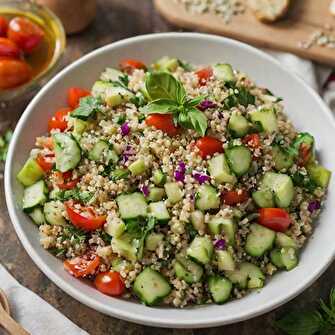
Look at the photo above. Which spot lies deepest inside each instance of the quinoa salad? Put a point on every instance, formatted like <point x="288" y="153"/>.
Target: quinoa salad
<point x="174" y="184"/>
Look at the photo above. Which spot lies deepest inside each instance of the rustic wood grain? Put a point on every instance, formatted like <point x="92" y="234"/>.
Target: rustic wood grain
<point x="118" y="19"/>
<point x="305" y="18"/>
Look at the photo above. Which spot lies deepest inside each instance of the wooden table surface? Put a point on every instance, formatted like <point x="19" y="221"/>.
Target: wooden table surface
<point x="117" y="19"/>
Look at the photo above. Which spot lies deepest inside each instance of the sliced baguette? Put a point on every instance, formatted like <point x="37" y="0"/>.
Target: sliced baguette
<point x="269" y="10"/>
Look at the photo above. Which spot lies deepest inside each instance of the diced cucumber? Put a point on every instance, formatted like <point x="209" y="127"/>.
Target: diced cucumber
<point x="153" y="241"/>
<point x="220" y="288"/>
<point x="188" y="270"/>
<point x="79" y="126"/>
<point x="224" y="72"/>
<point x="198" y="220"/>
<point x="173" y="192"/>
<point x="276" y="258"/>
<point x="111" y="74"/>
<point x="220" y="171"/>
<point x="30" y="173"/>
<point x="259" y="240"/>
<point x="151" y="287"/>
<point x="238" y="125"/>
<point x="67" y="152"/>
<point x="265" y="118"/>
<point x="282" y="159"/>
<point x="115" y="228"/>
<point x="132" y="205"/>
<point x="98" y="151"/>
<point x="34" y="195"/>
<point x="239" y="159"/>
<point x="284" y="258"/>
<point x="166" y="64"/>
<point x="159" y="178"/>
<point x="283" y="241"/>
<point x="302" y="138"/>
<point x="53" y="212"/>
<point x="37" y="216"/>
<point x="137" y="168"/>
<point x="55" y="194"/>
<point x="263" y="198"/>
<point x="159" y="210"/>
<point x="156" y="194"/>
<point x="124" y="247"/>
<point x="201" y="249"/>
<point x="217" y="225"/>
<point x="207" y="198"/>
<point x="225" y="260"/>
<point x="319" y="175"/>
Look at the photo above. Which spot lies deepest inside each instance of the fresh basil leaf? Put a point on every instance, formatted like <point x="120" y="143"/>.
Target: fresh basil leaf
<point x="198" y="120"/>
<point x="163" y="85"/>
<point x="161" y="106"/>
<point x="196" y="101"/>
<point x="88" y="107"/>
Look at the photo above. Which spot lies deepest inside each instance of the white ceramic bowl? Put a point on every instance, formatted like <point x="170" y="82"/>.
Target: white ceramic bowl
<point x="304" y="107"/>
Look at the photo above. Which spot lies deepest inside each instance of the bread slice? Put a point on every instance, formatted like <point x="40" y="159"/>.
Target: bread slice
<point x="269" y="10"/>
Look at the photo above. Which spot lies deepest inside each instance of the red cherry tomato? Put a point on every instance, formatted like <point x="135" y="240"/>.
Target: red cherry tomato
<point x="129" y="65"/>
<point x="110" y="283"/>
<point x="64" y="180"/>
<point x="204" y="75"/>
<point x="74" y="94"/>
<point x="305" y="154"/>
<point x="46" y="162"/>
<point x="252" y="140"/>
<point x="3" y="26"/>
<point x="9" y="49"/>
<point x="13" y="73"/>
<point x="208" y="146"/>
<point x="25" y="33"/>
<point x="82" y="266"/>
<point x="164" y="122"/>
<point x="58" y="121"/>
<point x="87" y="219"/>
<point x="276" y="219"/>
<point x="233" y="198"/>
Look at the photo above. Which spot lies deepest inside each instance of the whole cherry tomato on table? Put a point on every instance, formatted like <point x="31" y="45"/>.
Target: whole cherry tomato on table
<point x="164" y="122"/>
<point x="3" y="26"/>
<point x="129" y="65"/>
<point x="13" y="73"/>
<point x="208" y="146"/>
<point x="58" y="121"/>
<point x="233" y="198"/>
<point x="25" y="33"/>
<point x="74" y="95"/>
<point x="277" y="219"/>
<point x="110" y="283"/>
<point x="204" y="75"/>
<point x="9" y="49"/>
<point x="82" y="266"/>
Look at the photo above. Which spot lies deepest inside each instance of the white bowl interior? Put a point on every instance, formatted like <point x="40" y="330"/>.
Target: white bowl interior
<point x="304" y="108"/>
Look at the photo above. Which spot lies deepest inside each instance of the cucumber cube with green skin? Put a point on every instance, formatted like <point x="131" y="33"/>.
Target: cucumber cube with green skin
<point x="265" y="118"/>
<point x="173" y="192"/>
<point x="201" y="249"/>
<point x="37" y="216"/>
<point x="284" y="258"/>
<point x="276" y="258"/>
<point x="166" y="64"/>
<point x="98" y="151"/>
<point x="132" y="205"/>
<point x="239" y="159"/>
<point x="224" y="72"/>
<point x="151" y="287"/>
<point x="137" y="168"/>
<point x="34" y="195"/>
<point x="188" y="270"/>
<point x="319" y="175"/>
<point x="218" y="225"/>
<point x="220" y="171"/>
<point x="263" y="199"/>
<point x="79" y="126"/>
<point x="124" y="247"/>
<point x="283" y="160"/>
<point x="285" y="241"/>
<point x="220" y="288"/>
<point x="259" y="240"/>
<point x="115" y="227"/>
<point x="198" y="220"/>
<point x="238" y="125"/>
<point x="225" y="260"/>
<point x="159" y="178"/>
<point x="156" y="194"/>
<point x="302" y="138"/>
<point x="159" y="210"/>
<point x="207" y="198"/>
<point x="53" y="212"/>
<point x="30" y="173"/>
<point x="153" y="241"/>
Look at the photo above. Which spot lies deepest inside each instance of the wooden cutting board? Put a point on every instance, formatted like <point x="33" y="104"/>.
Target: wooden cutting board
<point x="305" y="17"/>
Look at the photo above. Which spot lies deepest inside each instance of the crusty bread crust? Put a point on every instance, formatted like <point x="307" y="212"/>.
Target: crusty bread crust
<point x="268" y="11"/>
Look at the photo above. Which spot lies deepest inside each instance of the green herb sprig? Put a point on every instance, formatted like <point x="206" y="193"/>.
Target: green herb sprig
<point x="320" y="321"/>
<point x="88" y="107"/>
<point x="168" y="96"/>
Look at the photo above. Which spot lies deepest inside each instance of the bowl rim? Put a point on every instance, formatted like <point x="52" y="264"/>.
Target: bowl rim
<point x="112" y="309"/>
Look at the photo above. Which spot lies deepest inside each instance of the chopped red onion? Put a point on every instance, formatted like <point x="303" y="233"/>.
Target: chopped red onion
<point x="201" y="178"/>
<point x="220" y="244"/>
<point x="179" y="173"/>
<point x="145" y="190"/>
<point x="125" y="129"/>
<point x="182" y="167"/>
<point x="314" y="206"/>
<point x="206" y="104"/>
<point x="129" y="151"/>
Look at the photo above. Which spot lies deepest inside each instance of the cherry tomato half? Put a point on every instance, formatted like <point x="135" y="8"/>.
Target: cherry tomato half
<point x="204" y="75"/>
<point x="82" y="266"/>
<point x="129" y="65"/>
<point x="305" y="154"/>
<point x="64" y="180"/>
<point x="164" y="122"/>
<point x="208" y="146"/>
<point x="110" y="283"/>
<point x="25" y="33"/>
<point x="58" y="121"/>
<point x="9" y="49"/>
<point x="252" y="140"/>
<point x="3" y="26"/>
<point x="46" y="162"/>
<point x="276" y="219"/>
<point x="86" y="219"/>
<point x="13" y="73"/>
<point x="74" y="94"/>
<point x="233" y="198"/>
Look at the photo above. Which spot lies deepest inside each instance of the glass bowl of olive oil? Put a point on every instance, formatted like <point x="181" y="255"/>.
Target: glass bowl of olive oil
<point x="43" y="61"/>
